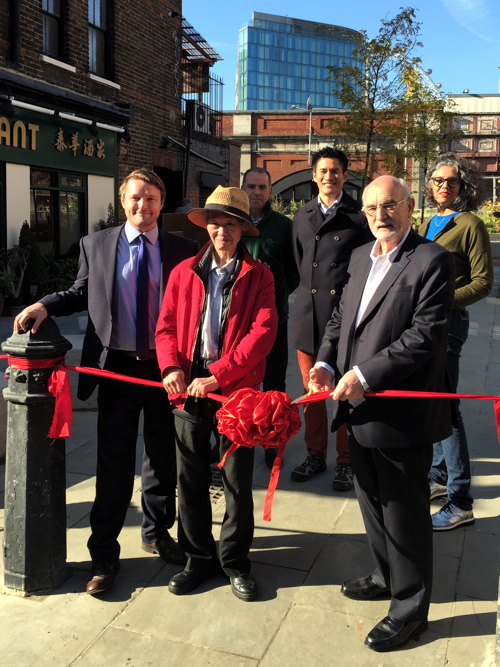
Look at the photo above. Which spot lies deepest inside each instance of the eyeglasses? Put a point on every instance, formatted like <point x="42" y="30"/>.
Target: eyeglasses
<point x="390" y="207"/>
<point x="452" y="182"/>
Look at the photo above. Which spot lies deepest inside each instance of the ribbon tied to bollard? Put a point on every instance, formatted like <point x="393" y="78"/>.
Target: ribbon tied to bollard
<point x="247" y="417"/>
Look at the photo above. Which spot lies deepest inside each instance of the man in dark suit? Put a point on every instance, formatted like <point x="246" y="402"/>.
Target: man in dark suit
<point x="389" y="332"/>
<point x="325" y="232"/>
<point x="107" y="285"/>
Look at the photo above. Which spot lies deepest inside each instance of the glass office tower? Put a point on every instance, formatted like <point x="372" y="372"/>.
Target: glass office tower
<point x="283" y="61"/>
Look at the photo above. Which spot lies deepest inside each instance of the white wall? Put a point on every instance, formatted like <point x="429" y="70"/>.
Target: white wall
<point x="17" y="193"/>
<point x="101" y="192"/>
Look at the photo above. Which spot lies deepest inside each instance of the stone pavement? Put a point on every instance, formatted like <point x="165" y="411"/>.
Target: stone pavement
<point x="314" y="542"/>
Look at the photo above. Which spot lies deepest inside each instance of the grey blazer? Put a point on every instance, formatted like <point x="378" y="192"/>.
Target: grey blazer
<point x="94" y="288"/>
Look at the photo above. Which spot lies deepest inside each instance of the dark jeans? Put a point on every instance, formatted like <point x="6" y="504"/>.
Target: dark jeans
<point x="120" y="405"/>
<point x="450" y="462"/>
<point x="193" y="432"/>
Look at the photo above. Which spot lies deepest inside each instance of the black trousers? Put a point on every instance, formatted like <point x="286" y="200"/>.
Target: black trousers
<point x="393" y="494"/>
<point x="193" y="432"/>
<point x="119" y="408"/>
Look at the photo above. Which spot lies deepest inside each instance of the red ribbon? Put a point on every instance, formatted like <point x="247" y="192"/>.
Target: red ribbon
<point x="247" y="417"/>
<point x="393" y="393"/>
<point x="59" y="386"/>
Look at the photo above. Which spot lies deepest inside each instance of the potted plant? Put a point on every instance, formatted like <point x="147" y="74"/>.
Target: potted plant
<point x="13" y="262"/>
<point x="6" y="286"/>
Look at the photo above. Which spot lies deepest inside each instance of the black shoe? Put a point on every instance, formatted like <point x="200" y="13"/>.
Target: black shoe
<point x="391" y="634"/>
<point x="344" y="477"/>
<point x="102" y="576"/>
<point x="168" y="549"/>
<point x="269" y="456"/>
<point x="187" y="580"/>
<point x="245" y="587"/>
<point x="313" y="465"/>
<point x="363" y="588"/>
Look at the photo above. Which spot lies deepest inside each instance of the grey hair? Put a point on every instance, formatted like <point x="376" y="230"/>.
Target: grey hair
<point x="471" y="194"/>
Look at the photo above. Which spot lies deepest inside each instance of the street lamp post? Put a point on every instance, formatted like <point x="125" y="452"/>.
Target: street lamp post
<point x="309" y="107"/>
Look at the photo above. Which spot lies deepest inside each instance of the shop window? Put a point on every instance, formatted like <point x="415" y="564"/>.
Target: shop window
<point x="57" y="211"/>
<point x="52" y="28"/>
<point x="98" y="37"/>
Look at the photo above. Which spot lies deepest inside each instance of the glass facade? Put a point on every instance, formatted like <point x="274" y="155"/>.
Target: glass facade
<point x="283" y="61"/>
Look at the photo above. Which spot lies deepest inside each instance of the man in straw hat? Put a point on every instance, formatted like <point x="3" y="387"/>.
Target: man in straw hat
<point x="217" y="324"/>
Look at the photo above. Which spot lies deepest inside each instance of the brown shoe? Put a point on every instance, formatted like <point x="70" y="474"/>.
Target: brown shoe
<point x="102" y="576"/>
<point x="168" y="549"/>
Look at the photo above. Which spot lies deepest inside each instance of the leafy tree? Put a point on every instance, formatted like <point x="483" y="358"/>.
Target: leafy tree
<point x="393" y="113"/>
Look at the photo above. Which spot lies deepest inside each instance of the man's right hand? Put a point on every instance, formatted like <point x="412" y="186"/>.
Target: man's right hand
<point x="173" y="381"/>
<point x="320" y="379"/>
<point x="36" y="311"/>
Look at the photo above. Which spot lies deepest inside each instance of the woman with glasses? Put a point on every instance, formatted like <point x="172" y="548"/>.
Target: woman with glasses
<point x="453" y="186"/>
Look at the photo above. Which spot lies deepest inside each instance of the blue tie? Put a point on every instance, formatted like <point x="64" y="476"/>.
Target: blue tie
<point x="142" y="311"/>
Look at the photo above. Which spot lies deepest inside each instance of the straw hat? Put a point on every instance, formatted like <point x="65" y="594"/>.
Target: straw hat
<point x="232" y="201"/>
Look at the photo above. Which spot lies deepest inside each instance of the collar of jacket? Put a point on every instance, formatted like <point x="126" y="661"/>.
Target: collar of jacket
<point x="266" y="212"/>
<point x="201" y="264"/>
<point x="347" y="203"/>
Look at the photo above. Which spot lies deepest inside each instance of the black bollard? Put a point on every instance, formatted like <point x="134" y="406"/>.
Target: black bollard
<point x="35" y="470"/>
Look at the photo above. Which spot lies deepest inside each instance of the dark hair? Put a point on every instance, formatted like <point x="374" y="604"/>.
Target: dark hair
<point x="471" y="193"/>
<point x="333" y="154"/>
<point x="146" y="176"/>
<point x="257" y="170"/>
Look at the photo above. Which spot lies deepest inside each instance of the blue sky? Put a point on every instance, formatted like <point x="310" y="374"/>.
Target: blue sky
<point x="461" y="37"/>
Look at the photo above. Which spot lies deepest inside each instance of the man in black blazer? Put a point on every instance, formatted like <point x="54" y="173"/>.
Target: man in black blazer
<point x="325" y="232"/>
<point x="389" y="332"/>
<point x="106" y="287"/>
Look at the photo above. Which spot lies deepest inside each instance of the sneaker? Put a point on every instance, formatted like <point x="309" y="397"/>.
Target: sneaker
<point x="313" y="465"/>
<point x="437" y="490"/>
<point x="450" y="516"/>
<point x="343" y="480"/>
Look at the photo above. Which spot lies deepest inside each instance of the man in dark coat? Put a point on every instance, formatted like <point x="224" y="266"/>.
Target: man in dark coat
<point x="389" y="332"/>
<point x="106" y="286"/>
<point x="325" y="232"/>
<point x="274" y="247"/>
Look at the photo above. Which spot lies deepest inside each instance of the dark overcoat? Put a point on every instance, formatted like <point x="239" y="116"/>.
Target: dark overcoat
<point x="322" y="248"/>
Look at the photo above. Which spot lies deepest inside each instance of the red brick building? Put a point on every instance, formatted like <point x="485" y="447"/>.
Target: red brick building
<point x="90" y="91"/>
<point x="282" y="142"/>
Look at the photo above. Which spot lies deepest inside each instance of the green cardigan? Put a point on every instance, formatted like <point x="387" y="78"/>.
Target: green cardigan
<point x="466" y="237"/>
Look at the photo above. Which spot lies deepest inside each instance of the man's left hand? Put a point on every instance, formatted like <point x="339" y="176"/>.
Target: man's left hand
<point x="347" y="387"/>
<point x="200" y="387"/>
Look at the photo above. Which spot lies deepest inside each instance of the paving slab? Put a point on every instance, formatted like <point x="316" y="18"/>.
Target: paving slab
<point x="126" y="648"/>
<point x="213" y="617"/>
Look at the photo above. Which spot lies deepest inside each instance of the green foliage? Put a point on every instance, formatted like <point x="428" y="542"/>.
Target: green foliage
<point x="490" y="215"/>
<point x="289" y="208"/>
<point x="13" y="262"/>
<point x="110" y="220"/>
<point x="392" y="111"/>
<point x="6" y="284"/>
<point x="35" y="269"/>
<point x="62" y="270"/>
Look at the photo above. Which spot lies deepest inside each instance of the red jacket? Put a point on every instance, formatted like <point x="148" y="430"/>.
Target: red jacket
<point x="250" y="330"/>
